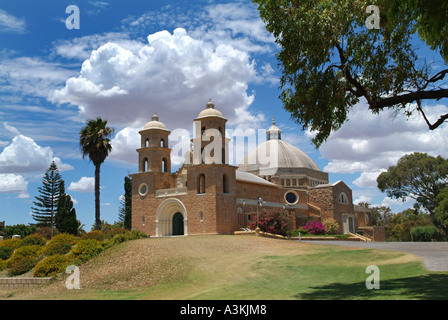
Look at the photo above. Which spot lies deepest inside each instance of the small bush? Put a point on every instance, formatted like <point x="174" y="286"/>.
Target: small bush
<point x="51" y="266"/>
<point x="135" y="234"/>
<point x="65" y="238"/>
<point x="315" y="227"/>
<point x="2" y="265"/>
<point x="22" y="266"/>
<point x="113" y="232"/>
<point x="95" y="234"/>
<point x="424" y="233"/>
<point x="331" y="226"/>
<point x="33" y="240"/>
<point x="85" y="250"/>
<point x="57" y="248"/>
<point x="24" y="253"/>
<point x="10" y="243"/>
<point x="5" y="253"/>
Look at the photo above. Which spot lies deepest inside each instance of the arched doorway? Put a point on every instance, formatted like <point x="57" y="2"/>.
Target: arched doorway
<point x="171" y="218"/>
<point x="178" y="224"/>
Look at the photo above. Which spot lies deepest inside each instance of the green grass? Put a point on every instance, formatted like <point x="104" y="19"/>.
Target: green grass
<point x="246" y="267"/>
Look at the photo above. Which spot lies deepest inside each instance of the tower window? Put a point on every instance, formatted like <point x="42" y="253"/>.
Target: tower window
<point x="343" y="198"/>
<point x="164" y="165"/>
<point x="225" y="184"/>
<point x="201" y="184"/>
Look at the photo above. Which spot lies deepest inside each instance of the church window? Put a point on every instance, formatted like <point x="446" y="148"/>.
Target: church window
<point x="164" y="165"/>
<point x="343" y="198"/>
<point x="201" y="184"/>
<point x="147" y="143"/>
<point x="201" y="215"/>
<point x="225" y="184"/>
<point x="145" y="164"/>
<point x="162" y="143"/>
<point x="291" y="197"/>
<point x="143" y="189"/>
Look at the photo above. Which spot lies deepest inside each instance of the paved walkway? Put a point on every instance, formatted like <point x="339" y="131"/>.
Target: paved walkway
<point x="434" y="254"/>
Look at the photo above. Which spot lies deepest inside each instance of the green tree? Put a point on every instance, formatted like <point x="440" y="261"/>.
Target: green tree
<point x="65" y="217"/>
<point x="125" y="211"/>
<point x="441" y="211"/>
<point x="330" y="59"/>
<point x="94" y="140"/>
<point x="400" y="224"/>
<point x="46" y="203"/>
<point x="420" y="177"/>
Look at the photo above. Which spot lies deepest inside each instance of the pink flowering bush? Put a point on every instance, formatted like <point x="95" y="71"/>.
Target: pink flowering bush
<point x="275" y="222"/>
<point x="315" y="227"/>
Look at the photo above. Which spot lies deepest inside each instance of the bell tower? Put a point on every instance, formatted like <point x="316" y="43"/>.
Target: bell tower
<point x="210" y="142"/>
<point x="154" y="154"/>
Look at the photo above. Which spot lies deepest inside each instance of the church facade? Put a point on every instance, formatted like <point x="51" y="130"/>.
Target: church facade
<point x="207" y="195"/>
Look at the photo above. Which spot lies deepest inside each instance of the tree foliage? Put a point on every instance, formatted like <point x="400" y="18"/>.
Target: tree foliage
<point x="65" y="218"/>
<point x="420" y="177"/>
<point x="46" y="203"/>
<point x="330" y="59"/>
<point x="125" y="211"/>
<point x="94" y="141"/>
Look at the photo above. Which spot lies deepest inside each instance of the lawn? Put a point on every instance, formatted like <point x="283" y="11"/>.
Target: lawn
<point x="243" y="267"/>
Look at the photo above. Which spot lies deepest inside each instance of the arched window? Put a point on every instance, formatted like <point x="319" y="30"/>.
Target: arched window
<point x="225" y="184"/>
<point x="145" y="164"/>
<point x="162" y="143"/>
<point x="164" y="165"/>
<point x="343" y="198"/>
<point x="146" y="143"/>
<point x="201" y="184"/>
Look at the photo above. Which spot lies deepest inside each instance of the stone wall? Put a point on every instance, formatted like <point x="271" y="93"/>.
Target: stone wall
<point x="19" y="283"/>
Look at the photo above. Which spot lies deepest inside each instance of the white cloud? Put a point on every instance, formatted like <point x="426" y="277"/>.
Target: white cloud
<point x="12" y="183"/>
<point x="173" y="74"/>
<point x="11" y="24"/>
<point x="370" y="143"/>
<point x="84" y="185"/>
<point x="24" y="155"/>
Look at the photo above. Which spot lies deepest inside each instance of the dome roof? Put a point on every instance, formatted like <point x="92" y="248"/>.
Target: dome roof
<point x="284" y="155"/>
<point x="210" y="111"/>
<point x="155" y="124"/>
<point x="275" y="154"/>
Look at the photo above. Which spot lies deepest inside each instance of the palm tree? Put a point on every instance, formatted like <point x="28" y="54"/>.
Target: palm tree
<point x="95" y="143"/>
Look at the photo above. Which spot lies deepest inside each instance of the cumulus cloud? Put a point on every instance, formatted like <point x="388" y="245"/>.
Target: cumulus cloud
<point x="369" y="144"/>
<point x="171" y="74"/>
<point x="84" y="185"/>
<point x="24" y="155"/>
<point x="13" y="183"/>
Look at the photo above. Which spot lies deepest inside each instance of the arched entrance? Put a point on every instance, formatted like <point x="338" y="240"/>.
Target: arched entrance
<point x="178" y="224"/>
<point x="171" y="218"/>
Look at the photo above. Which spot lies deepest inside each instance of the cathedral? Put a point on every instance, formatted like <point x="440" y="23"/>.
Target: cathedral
<point x="207" y="195"/>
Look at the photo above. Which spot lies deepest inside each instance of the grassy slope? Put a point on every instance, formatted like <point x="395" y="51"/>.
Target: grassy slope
<point x="243" y="267"/>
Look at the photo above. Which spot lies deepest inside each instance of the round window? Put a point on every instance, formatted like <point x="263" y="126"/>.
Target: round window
<point x="291" y="197"/>
<point x="143" y="189"/>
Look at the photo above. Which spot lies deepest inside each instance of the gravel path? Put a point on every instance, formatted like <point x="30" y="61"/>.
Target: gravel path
<point x="434" y="254"/>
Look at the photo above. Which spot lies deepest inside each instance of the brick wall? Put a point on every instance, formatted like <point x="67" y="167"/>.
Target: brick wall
<point x="19" y="283"/>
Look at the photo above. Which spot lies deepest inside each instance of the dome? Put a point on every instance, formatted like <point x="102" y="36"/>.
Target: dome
<point x="210" y="111"/>
<point x="155" y="124"/>
<point x="284" y="156"/>
<point x="275" y="155"/>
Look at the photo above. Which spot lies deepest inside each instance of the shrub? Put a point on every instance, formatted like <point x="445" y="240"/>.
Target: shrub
<point x="331" y="226"/>
<point x="57" y="248"/>
<point x="51" y="266"/>
<point x="95" y="234"/>
<point x="65" y="238"/>
<point x="113" y="232"/>
<point x="315" y="227"/>
<point x="424" y="233"/>
<point x="24" y="253"/>
<point x="85" y="250"/>
<point x="7" y="247"/>
<point x="2" y="265"/>
<point x="276" y="222"/>
<point x="33" y="240"/>
<point x="22" y="265"/>
<point x="135" y="234"/>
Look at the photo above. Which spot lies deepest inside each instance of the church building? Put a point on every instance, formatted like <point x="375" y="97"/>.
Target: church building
<point x="207" y="195"/>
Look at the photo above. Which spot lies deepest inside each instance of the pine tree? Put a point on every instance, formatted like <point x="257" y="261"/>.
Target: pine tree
<point x="125" y="211"/>
<point x="65" y="217"/>
<point x="46" y="202"/>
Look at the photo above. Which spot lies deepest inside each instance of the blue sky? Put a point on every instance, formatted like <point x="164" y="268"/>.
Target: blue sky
<point x="130" y="59"/>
